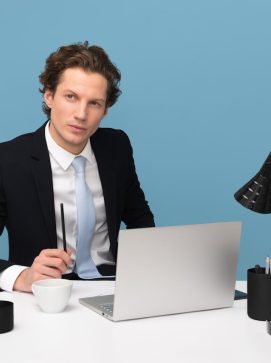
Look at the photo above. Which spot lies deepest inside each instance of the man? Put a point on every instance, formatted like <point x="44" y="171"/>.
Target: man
<point x="38" y="173"/>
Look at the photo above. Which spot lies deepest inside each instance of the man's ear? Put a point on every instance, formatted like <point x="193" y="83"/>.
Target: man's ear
<point x="48" y="98"/>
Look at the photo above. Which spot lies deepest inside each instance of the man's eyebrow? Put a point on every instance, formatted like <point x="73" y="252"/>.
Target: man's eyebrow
<point x="98" y="99"/>
<point x="69" y="90"/>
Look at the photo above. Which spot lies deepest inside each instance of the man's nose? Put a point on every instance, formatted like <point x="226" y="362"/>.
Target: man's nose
<point x="81" y="111"/>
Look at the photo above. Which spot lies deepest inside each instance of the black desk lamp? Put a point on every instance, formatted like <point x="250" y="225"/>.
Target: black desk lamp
<point x="256" y="196"/>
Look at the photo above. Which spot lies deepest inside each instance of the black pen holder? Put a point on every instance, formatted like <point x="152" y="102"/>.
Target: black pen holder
<point x="258" y="294"/>
<point x="6" y="316"/>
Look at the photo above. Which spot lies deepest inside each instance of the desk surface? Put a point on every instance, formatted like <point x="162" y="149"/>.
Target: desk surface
<point x="80" y="335"/>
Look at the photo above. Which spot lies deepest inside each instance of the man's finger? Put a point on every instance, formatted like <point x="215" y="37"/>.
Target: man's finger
<point x="57" y="253"/>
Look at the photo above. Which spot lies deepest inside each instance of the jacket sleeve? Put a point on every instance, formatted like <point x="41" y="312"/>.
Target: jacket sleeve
<point x="137" y="213"/>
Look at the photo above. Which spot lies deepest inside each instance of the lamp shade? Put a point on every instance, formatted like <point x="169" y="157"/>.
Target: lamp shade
<point x="256" y="194"/>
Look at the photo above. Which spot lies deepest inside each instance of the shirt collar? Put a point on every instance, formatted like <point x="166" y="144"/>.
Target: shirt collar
<point x="63" y="157"/>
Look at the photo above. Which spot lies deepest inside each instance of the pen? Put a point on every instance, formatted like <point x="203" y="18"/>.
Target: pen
<point x="257" y="269"/>
<point x="63" y="227"/>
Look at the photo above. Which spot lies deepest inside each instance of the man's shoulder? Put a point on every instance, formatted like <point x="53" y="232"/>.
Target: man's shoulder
<point x="110" y="133"/>
<point x="19" y="144"/>
<point x="18" y="140"/>
<point x="111" y="136"/>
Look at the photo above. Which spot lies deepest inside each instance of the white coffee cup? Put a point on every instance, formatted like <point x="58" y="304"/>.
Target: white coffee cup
<point x="52" y="294"/>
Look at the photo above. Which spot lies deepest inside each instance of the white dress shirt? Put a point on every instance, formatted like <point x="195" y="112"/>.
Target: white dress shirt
<point x="64" y="192"/>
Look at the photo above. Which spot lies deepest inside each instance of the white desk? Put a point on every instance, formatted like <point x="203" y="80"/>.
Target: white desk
<point x="80" y="335"/>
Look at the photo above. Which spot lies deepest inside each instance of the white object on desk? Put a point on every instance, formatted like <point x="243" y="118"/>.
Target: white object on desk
<point x="52" y="294"/>
<point x="80" y="335"/>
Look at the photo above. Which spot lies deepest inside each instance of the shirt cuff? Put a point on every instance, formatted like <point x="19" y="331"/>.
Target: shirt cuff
<point x="9" y="276"/>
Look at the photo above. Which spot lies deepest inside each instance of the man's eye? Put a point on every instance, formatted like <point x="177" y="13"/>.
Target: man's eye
<point x="70" y="97"/>
<point x="95" y="104"/>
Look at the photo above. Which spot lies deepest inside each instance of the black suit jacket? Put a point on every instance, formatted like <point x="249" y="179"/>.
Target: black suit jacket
<point x="27" y="199"/>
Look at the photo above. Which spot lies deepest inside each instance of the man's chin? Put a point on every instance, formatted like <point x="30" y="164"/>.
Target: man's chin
<point x="74" y="145"/>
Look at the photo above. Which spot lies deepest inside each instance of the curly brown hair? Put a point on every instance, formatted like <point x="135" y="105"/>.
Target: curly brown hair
<point x="89" y="58"/>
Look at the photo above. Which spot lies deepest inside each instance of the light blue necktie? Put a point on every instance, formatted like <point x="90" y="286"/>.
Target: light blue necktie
<point x="86" y="219"/>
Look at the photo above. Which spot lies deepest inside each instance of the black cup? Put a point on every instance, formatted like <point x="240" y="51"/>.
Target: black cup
<point x="258" y="294"/>
<point x="6" y="316"/>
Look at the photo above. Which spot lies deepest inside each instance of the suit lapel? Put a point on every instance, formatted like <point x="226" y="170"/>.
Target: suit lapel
<point x="105" y="163"/>
<point x="43" y="177"/>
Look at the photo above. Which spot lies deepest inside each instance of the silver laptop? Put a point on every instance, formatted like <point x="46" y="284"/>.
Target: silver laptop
<point x="170" y="270"/>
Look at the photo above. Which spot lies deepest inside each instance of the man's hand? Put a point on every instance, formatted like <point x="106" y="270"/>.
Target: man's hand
<point x="50" y="263"/>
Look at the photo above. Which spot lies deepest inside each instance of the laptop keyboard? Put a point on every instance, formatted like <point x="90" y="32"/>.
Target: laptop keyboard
<point x="108" y="308"/>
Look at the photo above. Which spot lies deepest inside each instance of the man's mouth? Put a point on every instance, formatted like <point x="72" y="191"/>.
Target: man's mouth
<point x="77" y="128"/>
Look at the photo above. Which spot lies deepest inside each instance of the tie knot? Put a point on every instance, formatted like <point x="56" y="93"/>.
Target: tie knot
<point x="79" y="163"/>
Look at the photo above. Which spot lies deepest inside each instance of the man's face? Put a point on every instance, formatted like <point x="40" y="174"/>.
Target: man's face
<point x="77" y="108"/>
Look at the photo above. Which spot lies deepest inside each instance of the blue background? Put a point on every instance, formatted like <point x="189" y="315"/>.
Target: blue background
<point x="196" y="96"/>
